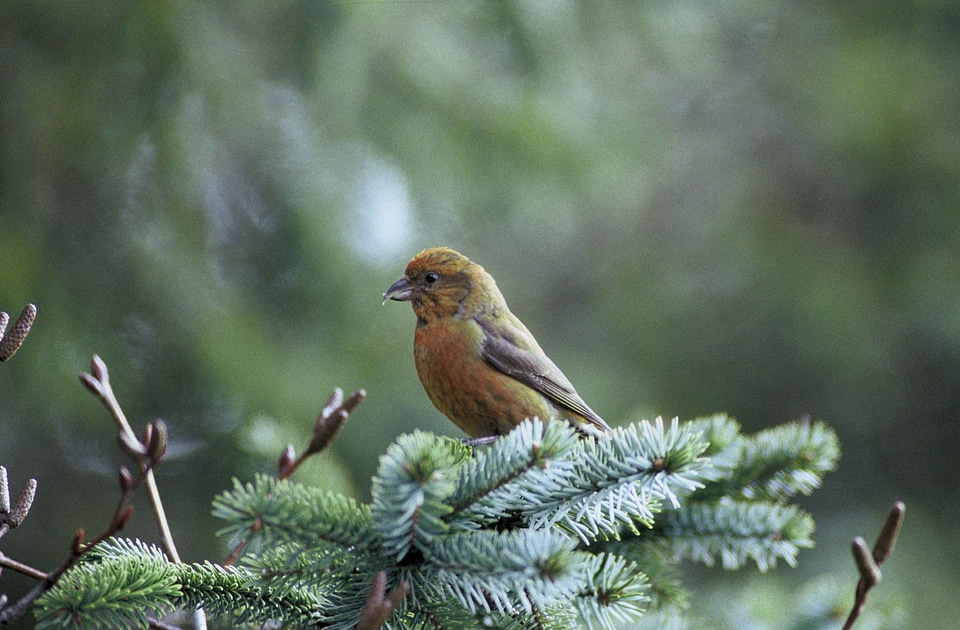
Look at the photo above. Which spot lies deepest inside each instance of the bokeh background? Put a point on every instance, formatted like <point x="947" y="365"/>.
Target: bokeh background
<point x="740" y="206"/>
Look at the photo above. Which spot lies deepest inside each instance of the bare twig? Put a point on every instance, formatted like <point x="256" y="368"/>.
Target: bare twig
<point x="868" y="563"/>
<point x="145" y="453"/>
<point x="19" y="567"/>
<point x="329" y="422"/>
<point x="380" y="606"/>
<point x="11" y="341"/>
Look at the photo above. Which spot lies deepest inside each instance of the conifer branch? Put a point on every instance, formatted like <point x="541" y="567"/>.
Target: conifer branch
<point x="493" y="483"/>
<point x="411" y="489"/>
<point x="268" y="513"/>
<point x="772" y="465"/>
<point x="737" y="532"/>
<point x="518" y="535"/>
<point x="621" y="479"/>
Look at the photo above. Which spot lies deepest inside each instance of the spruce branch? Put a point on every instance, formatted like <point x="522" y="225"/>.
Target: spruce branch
<point x="737" y="531"/>
<point x="868" y="563"/>
<point x="493" y="483"/>
<point x="772" y="465"/>
<point x="269" y="512"/>
<point x="614" y="592"/>
<point x="411" y="490"/>
<point x="621" y="480"/>
<point x="500" y="571"/>
<point x="11" y="341"/>
<point x="129" y="580"/>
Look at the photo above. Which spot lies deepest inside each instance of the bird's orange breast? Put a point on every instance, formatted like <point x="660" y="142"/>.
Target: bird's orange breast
<point x="477" y="397"/>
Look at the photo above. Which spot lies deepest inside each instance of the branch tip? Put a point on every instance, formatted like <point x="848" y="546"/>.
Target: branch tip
<point x="76" y="546"/>
<point x="287" y="457"/>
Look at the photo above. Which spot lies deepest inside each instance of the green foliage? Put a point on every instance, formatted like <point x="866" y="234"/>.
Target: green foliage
<point x="543" y="529"/>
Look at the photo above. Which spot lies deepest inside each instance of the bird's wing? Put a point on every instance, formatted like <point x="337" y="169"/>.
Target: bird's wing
<point x="516" y="354"/>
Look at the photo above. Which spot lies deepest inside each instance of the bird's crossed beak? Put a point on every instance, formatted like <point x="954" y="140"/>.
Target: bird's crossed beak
<point x="401" y="291"/>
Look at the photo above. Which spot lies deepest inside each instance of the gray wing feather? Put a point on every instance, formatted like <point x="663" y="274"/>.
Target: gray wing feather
<point x="534" y="369"/>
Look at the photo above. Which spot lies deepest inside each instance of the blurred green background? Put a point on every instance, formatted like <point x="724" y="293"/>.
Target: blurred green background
<point x="750" y="207"/>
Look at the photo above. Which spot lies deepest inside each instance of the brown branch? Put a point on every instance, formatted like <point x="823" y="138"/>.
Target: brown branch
<point x="380" y="606"/>
<point x="868" y="563"/>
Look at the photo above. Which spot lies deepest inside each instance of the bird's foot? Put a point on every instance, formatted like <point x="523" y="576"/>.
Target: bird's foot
<point x="479" y="441"/>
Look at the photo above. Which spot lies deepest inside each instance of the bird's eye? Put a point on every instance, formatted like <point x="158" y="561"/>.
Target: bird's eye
<point x="431" y="277"/>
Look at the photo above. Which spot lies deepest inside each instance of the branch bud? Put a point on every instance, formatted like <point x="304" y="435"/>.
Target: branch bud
<point x="869" y="571"/>
<point x="889" y="533"/>
<point x="156" y="440"/>
<point x="99" y="369"/>
<point x="131" y="446"/>
<point x="90" y="382"/>
<point x="287" y="457"/>
<point x="76" y="547"/>
<point x="334" y="402"/>
<point x="126" y="479"/>
<point x="24" y="501"/>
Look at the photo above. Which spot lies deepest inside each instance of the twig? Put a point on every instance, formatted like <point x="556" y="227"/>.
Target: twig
<point x="868" y="563"/>
<point x="11" y="342"/>
<point x="379" y="606"/>
<point x="152" y="448"/>
<point x="146" y="453"/>
<point x="328" y="424"/>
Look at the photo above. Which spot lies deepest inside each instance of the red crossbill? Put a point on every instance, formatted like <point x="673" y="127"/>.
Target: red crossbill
<point x="478" y="363"/>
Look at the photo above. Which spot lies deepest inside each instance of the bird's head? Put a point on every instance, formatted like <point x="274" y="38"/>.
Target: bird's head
<point x="438" y="282"/>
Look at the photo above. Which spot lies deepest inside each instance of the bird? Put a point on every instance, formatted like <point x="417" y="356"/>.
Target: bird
<point x="477" y="362"/>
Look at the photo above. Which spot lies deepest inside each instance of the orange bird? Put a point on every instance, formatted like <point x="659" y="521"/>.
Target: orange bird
<point x="478" y="363"/>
